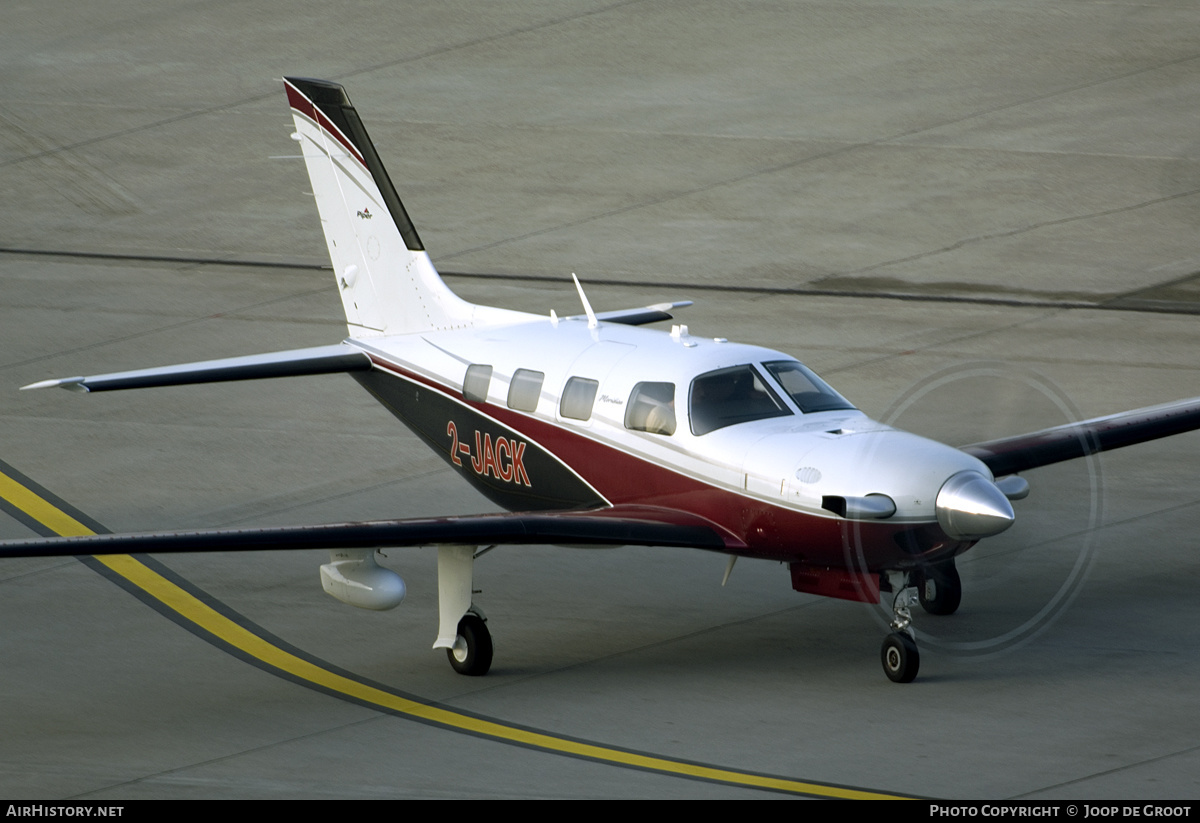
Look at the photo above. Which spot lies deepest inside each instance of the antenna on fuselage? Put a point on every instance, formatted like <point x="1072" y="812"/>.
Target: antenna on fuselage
<point x="587" y="307"/>
<point x="728" y="569"/>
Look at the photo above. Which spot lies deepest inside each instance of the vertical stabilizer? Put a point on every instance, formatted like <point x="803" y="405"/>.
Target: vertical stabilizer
<point x="387" y="281"/>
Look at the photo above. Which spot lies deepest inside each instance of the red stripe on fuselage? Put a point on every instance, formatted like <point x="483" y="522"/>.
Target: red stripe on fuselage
<point x="769" y="531"/>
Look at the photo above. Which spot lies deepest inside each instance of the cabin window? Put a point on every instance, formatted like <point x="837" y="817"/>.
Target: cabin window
<point x="809" y="392"/>
<point x="578" y="397"/>
<point x="477" y="382"/>
<point x="728" y="396"/>
<point x="651" y="408"/>
<point x="525" y="390"/>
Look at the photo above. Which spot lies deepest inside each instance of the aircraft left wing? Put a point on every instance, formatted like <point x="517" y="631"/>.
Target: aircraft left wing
<point x="639" y="317"/>
<point x="340" y="357"/>
<point x="617" y="526"/>
<point x="1009" y="455"/>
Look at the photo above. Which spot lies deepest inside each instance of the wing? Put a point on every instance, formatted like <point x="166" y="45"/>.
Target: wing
<point x="617" y="526"/>
<point x="638" y="317"/>
<point x="340" y="357"/>
<point x="1009" y="455"/>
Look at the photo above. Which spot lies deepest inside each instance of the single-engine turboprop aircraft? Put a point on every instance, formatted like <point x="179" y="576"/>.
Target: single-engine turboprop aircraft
<point x="591" y="431"/>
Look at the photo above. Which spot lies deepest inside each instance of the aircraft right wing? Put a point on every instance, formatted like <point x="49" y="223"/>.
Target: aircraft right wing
<point x="1008" y="455"/>
<point x="616" y="526"/>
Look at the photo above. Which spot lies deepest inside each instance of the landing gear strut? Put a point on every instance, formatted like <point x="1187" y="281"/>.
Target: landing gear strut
<point x="899" y="654"/>
<point x="462" y="628"/>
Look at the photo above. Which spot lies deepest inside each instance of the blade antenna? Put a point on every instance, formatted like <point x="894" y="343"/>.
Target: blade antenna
<point x="728" y="569"/>
<point x="587" y="307"/>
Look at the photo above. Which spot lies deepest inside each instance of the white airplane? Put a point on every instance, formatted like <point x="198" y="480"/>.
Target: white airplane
<point x="591" y="431"/>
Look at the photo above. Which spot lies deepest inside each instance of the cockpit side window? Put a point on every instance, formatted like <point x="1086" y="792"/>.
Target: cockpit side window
<point x="728" y="396"/>
<point x="651" y="408"/>
<point x="809" y="392"/>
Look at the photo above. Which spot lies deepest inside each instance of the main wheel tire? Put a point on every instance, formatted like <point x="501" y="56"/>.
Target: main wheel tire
<point x="472" y="652"/>
<point x="900" y="657"/>
<point x="939" y="588"/>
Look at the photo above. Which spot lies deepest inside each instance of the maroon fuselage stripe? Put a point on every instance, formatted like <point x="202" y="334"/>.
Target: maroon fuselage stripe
<point x="769" y="531"/>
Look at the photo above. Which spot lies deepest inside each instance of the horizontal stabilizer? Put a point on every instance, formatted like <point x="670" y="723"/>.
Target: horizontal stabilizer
<point x="1008" y="455"/>
<point x="619" y="526"/>
<point x="638" y="317"/>
<point x="320" y="360"/>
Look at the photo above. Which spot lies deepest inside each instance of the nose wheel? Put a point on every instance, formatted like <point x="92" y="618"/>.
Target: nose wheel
<point x="900" y="657"/>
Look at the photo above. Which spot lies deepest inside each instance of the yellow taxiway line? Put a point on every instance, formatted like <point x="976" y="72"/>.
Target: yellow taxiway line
<point x="191" y="609"/>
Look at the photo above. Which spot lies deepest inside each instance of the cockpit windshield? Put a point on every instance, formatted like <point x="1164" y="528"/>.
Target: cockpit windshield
<point x="809" y="392"/>
<point x="728" y="396"/>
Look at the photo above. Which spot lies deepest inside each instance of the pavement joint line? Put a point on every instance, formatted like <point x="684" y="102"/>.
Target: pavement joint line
<point x="203" y="615"/>
<point x="1122" y="302"/>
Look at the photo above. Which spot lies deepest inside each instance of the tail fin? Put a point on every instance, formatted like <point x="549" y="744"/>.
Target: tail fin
<point x="387" y="281"/>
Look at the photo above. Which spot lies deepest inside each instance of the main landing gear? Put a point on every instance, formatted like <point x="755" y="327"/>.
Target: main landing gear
<point x="462" y="628"/>
<point x="939" y="591"/>
<point x="939" y="588"/>
<point x="471" y="653"/>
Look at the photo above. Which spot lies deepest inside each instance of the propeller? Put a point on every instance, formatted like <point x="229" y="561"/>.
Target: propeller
<point x="1017" y="580"/>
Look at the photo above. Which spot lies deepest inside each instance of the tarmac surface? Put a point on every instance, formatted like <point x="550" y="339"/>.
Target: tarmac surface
<point x="973" y="219"/>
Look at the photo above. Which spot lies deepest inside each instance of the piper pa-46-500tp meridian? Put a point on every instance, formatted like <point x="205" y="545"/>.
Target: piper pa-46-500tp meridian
<point x="591" y="431"/>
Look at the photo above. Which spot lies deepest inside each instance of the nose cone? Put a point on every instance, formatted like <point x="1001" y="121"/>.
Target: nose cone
<point x="969" y="507"/>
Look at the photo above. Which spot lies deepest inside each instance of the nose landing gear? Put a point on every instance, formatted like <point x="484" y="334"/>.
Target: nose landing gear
<point x="900" y="657"/>
<point x="899" y="654"/>
<point x="938" y="589"/>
